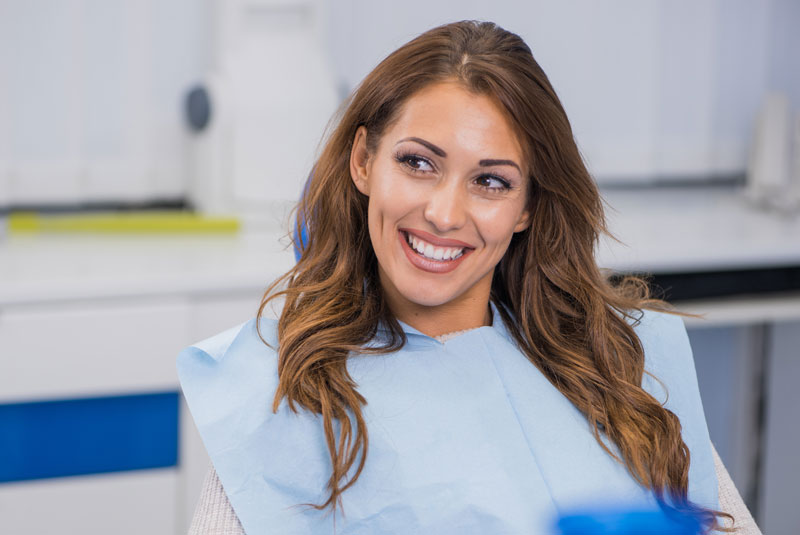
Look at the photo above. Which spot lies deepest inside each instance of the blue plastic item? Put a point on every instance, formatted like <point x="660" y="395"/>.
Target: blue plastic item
<point x="303" y="238"/>
<point x="626" y="522"/>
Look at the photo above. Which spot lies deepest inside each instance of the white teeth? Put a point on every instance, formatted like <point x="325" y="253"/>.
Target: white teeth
<point x="434" y="253"/>
<point x="419" y="246"/>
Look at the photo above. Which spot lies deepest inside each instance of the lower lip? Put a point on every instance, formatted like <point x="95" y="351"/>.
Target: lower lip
<point x="425" y="264"/>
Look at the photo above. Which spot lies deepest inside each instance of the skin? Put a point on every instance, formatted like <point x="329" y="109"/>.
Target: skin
<point x="447" y="197"/>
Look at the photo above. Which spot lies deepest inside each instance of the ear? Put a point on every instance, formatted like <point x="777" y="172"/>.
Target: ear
<point x="523" y="222"/>
<point x="359" y="159"/>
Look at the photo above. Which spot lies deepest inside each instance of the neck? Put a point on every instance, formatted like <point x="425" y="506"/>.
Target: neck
<point x="436" y="321"/>
<point x="467" y="311"/>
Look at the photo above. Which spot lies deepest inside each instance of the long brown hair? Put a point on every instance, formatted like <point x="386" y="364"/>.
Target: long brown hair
<point x="567" y="317"/>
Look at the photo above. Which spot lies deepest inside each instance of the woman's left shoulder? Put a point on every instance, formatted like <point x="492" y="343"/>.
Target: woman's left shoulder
<point x="671" y="378"/>
<point x="670" y="374"/>
<point x="665" y="342"/>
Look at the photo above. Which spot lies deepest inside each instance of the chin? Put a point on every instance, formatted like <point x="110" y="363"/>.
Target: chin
<point x="429" y="297"/>
<point x="428" y="300"/>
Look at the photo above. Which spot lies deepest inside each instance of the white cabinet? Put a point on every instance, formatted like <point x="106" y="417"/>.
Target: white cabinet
<point x="137" y="502"/>
<point x="96" y="348"/>
<point x="95" y="318"/>
<point x="92" y="348"/>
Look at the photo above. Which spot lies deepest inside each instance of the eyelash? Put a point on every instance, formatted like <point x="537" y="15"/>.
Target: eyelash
<point x="404" y="157"/>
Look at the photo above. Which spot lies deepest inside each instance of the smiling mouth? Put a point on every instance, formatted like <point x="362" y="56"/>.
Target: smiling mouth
<point x="433" y="252"/>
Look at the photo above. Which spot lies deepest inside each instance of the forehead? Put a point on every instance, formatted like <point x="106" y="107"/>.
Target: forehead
<point x="456" y="119"/>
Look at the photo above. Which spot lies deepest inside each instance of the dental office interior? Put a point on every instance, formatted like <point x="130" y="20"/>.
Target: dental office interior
<point x="151" y="152"/>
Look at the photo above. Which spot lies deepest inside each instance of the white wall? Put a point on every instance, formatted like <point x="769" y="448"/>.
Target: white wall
<point x="90" y="98"/>
<point x="91" y="90"/>
<point x="655" y="89"/>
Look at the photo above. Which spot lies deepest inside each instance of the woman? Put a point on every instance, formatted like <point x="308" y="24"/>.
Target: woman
<point x="449" y="358"/>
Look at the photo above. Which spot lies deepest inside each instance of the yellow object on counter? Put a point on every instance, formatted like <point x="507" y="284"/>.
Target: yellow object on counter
<point x="149" y="222"/>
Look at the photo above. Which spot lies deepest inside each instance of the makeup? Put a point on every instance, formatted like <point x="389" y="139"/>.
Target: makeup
<point x="430" y="265"/>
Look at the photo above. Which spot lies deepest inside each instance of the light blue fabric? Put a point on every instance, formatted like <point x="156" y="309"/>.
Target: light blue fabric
<point x="465" y="436"/>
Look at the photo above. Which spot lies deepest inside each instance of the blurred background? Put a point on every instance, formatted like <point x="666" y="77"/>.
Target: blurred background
<point x="150" y="153"/>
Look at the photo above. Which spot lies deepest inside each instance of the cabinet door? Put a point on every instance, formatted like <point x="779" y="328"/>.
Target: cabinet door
<point x="81" y="349"/>
<point x="777" y="505"/>
<point x="124" y="503"/>
<point x="97" y="351"/>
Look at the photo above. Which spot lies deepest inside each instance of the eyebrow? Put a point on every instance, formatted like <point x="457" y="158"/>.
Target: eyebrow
<point x="439" y="152"/>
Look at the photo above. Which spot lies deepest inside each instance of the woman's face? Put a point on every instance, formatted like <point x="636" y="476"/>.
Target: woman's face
<point x="447" y="189"/>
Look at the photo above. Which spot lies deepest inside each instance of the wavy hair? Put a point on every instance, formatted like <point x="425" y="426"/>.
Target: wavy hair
<point x="567" y="316"/>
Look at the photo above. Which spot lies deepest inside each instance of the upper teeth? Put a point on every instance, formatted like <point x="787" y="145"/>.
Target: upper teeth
<point x="431" y="251"/>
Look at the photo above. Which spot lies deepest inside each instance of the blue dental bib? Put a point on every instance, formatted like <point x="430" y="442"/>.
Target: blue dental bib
<point x="465" y="436"/>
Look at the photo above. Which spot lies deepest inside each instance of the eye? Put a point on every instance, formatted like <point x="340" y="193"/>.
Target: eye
<point x="494" y="184"/>
<point x="413" y="162"/>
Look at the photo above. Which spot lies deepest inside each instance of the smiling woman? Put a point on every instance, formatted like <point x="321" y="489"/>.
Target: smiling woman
<point x="449" y="357"/>
<point x="439" y="200"/>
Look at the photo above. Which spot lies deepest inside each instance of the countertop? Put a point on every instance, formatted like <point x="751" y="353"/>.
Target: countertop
<point x="678" y="229"/>
<point x="661" y="229"/>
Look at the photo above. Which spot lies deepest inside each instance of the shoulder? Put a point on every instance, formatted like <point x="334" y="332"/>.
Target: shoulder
<point x="266" y="460"/>
<point x="216" y="374"/>
<point x="670" y="377"/>
<point x="667" y="354"/>
<point x="658" y="329"/>
<point x="215" y="348"/>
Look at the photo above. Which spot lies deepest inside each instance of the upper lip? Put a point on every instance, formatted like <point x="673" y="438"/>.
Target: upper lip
<point x="434" y="240"/>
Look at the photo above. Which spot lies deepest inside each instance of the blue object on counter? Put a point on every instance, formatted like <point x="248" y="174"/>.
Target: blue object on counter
<point x="627" y="522"/>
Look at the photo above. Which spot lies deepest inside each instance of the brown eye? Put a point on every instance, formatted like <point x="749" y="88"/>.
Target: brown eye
<point x="493" y="183"/>
<point x="413" y="162"/>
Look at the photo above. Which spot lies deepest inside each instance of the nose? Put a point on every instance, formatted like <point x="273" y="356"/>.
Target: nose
<point x="446" y="207"/>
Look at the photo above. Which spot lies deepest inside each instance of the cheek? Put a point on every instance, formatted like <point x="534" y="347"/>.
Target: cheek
<point x="391" y="198"/>
<point x="385" y="208"/>
<point x="496" y="226"/>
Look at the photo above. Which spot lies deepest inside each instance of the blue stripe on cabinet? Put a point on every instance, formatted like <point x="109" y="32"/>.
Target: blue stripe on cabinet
<point x="58" y="438"/>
